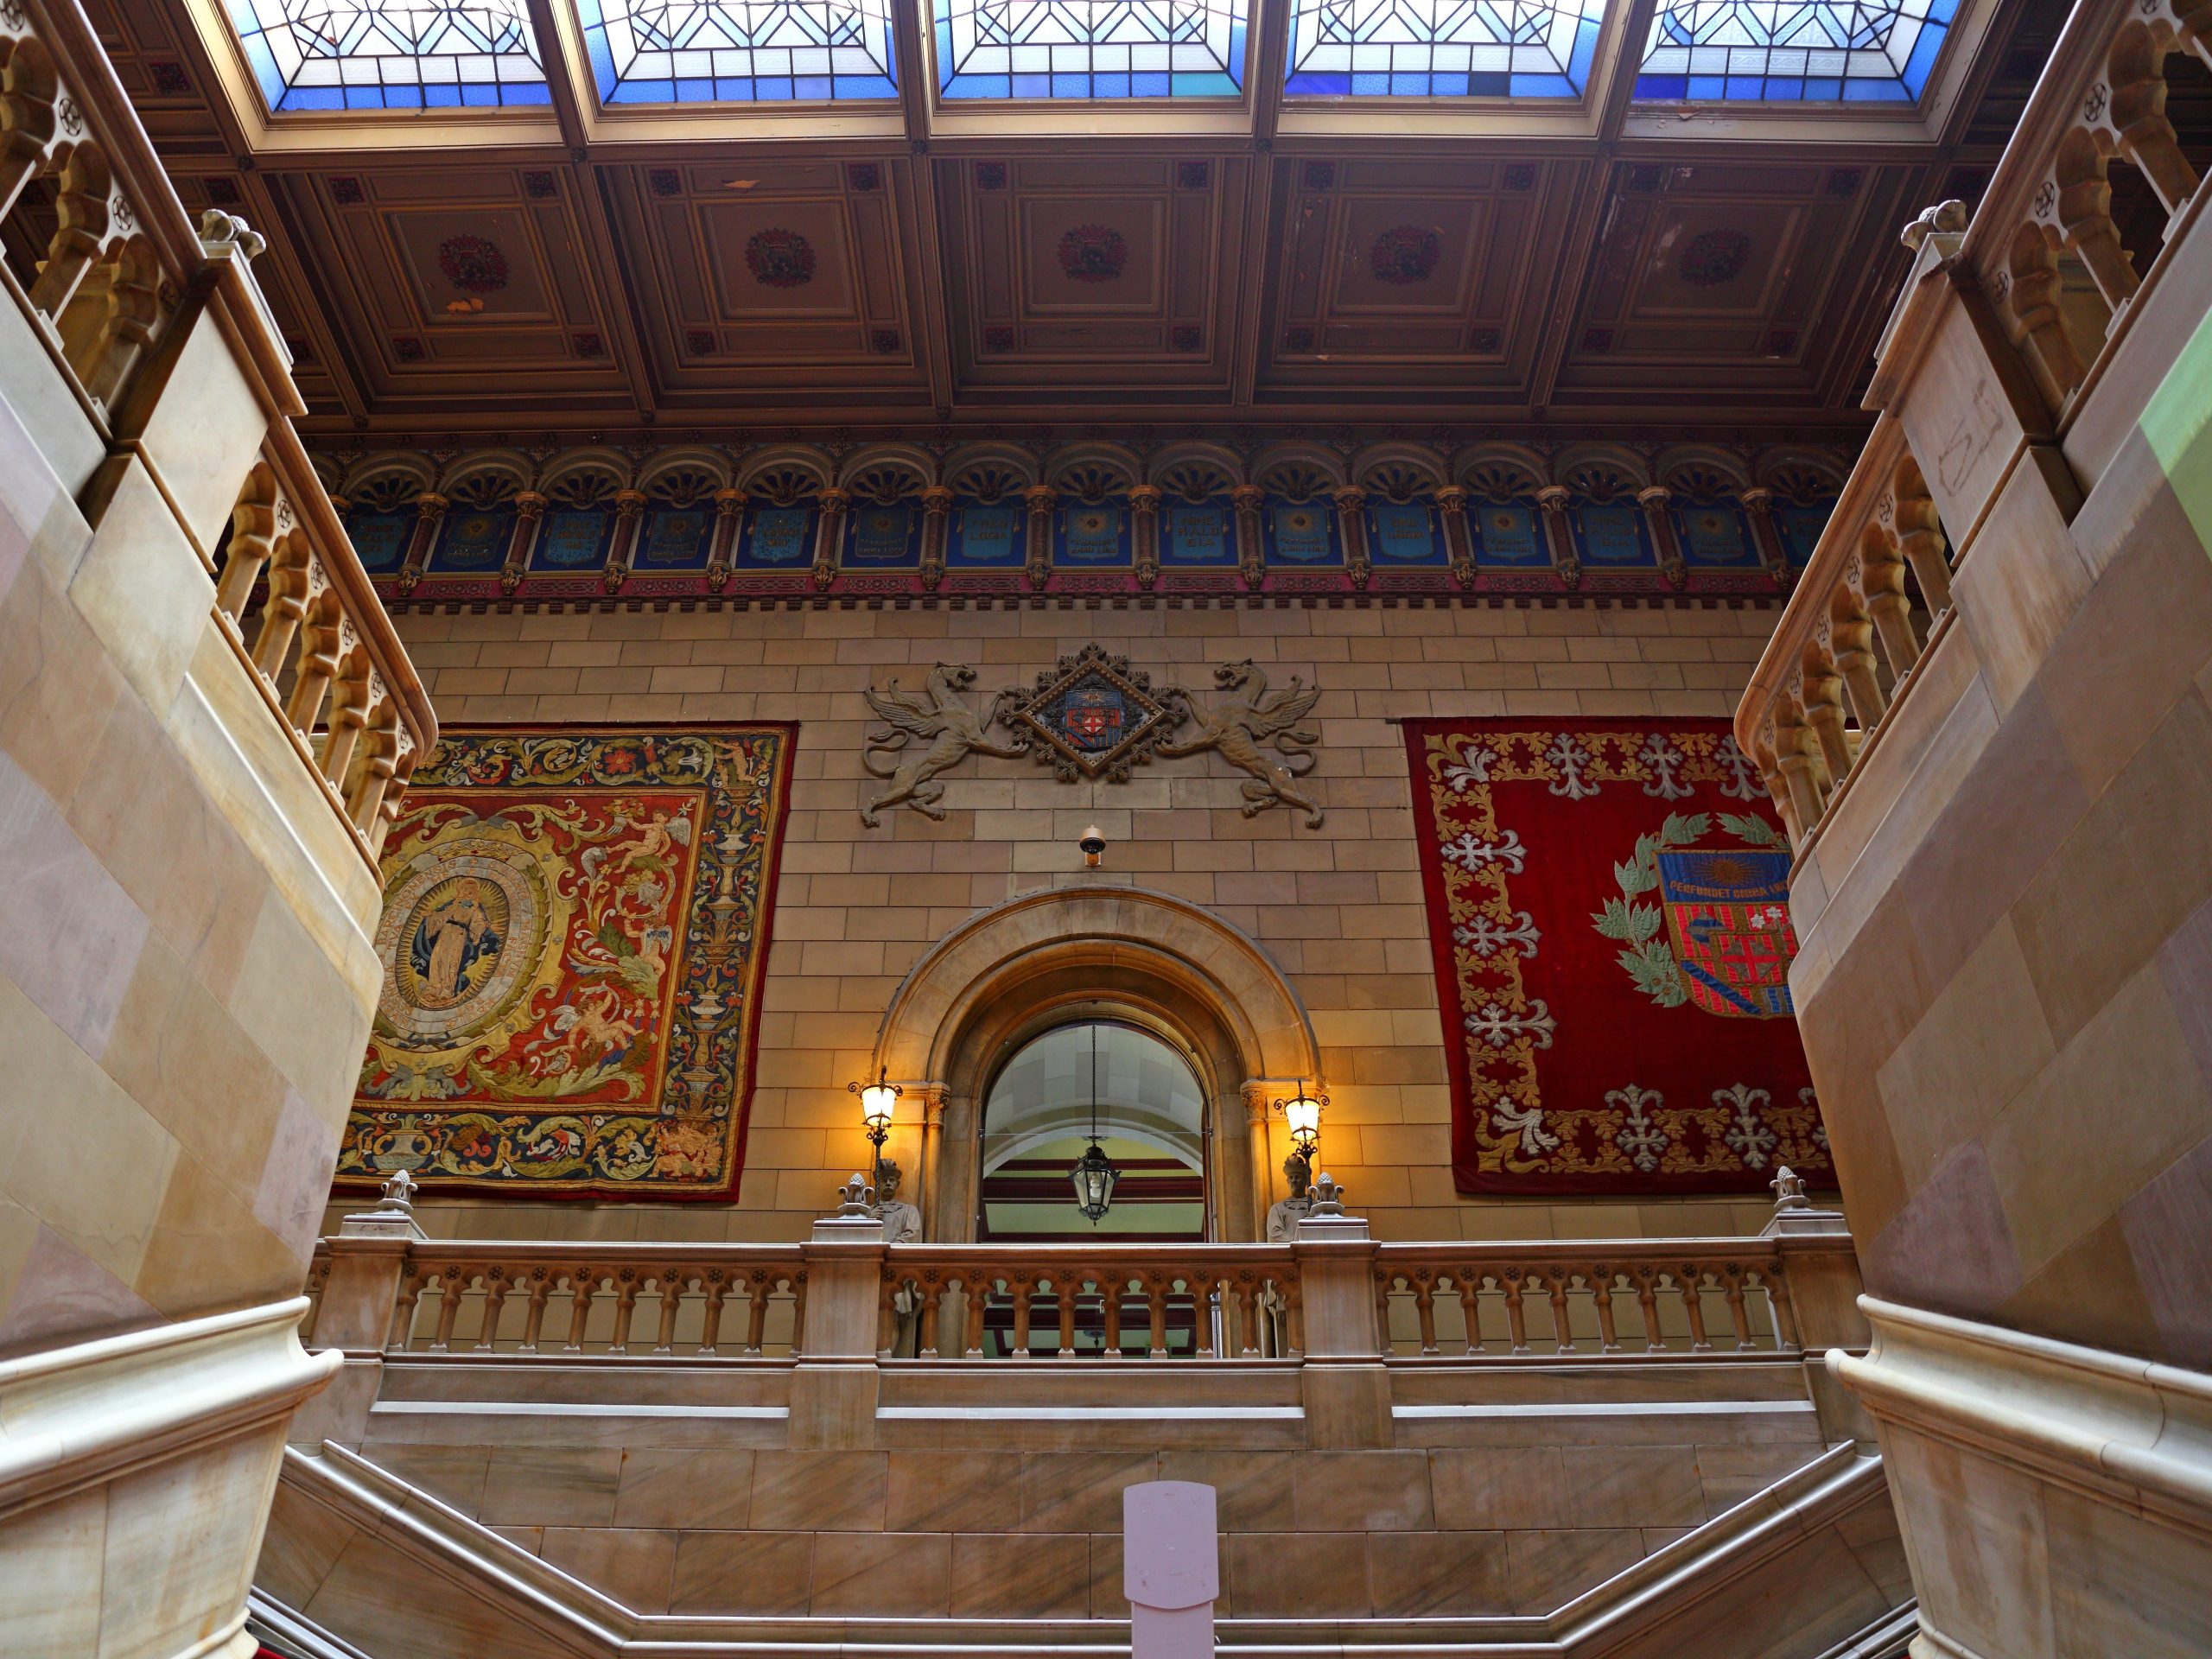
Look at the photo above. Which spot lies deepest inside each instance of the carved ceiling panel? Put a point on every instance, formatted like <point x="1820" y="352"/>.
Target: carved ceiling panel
<point x="1119" y="264"/>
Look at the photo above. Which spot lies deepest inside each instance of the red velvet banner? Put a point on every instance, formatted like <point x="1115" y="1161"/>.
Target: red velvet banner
<point x="1608" y="904"/>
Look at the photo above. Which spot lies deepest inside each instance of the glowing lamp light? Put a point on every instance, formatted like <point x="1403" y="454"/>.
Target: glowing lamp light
<point x="1301" y="1116"/>
<point x="878" y="1100"/>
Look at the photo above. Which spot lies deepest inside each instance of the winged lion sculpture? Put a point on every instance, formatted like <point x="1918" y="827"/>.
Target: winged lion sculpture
<point x="935" y="716"/>
<point x="1239" y="728"/>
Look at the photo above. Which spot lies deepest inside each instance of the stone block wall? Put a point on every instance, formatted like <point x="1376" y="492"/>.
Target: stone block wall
<point x="1339" y="909"/>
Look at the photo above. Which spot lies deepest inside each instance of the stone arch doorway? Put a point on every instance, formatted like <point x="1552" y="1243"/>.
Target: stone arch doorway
<point x="1124" y="954"/>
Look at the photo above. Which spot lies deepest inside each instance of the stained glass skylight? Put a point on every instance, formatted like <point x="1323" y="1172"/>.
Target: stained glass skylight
<point x="361" y="55"/>
<point x="1794" y="51"/>
<point x="739" y="51"/>
<point x="1442" y="48"/>
<point x="1090" y="49"/>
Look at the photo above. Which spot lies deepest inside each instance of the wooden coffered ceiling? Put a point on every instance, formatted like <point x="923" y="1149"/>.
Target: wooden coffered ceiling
<point x="1630" y="271"/>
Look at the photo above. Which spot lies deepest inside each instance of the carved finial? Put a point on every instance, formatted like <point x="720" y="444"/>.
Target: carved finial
<point x="856" y="1198"/>
<point x="399" y="1189"/>
<point x="221" y="228"/>
<point x="1328" y="1196"/>
<point x="1789" y="1190"/>
<point x="1949" y="217"/>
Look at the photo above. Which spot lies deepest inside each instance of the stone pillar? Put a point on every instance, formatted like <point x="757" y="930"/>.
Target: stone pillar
<point x="951" y="1215"/>
<point x="1251" y="540"/>
<point x="529" y="513"/>
<point x="1144" y="534"/>
<point x="1451" y="508"/>
<point x="1820" y="1272"/>
<point x="834" y="1384"/>
<point x="629" y="522"/>
<point x="1664" y="542"/>
<point x="1559" y="534"/>
<point x="429" y="513"/>
<point x="937" y="524"/>
<point x="1351" y="529"/>
<point x="1766" y="535"/>
<point x="1041" y="499"/>
<point x="1260" y="1154"/>
<point x="828" y="537"/>
<point x="368" y="1268"/>
<point x="1343" y="1382"/>
<point x="932" y="1100"/>
<point x="729" y="524"/>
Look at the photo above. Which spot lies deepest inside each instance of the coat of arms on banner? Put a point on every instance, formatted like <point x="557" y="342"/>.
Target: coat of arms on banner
<point x="1609" y="911"/>
<point x="574" y="927"/>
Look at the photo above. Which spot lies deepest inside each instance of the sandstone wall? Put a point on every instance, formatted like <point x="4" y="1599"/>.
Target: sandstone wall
<point x="1339" y="909"/>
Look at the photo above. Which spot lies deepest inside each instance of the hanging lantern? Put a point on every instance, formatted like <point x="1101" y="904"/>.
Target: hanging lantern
<point x="1301" y="1116"/>
<point x="1094" y="1176"/>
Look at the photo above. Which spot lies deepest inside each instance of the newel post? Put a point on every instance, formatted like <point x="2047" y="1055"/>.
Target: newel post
<point x="834" y="1384"/>
<point x="368" y="1271"/>
<point x="1343" y="1383"/>
<point x="1819" y="1273"/>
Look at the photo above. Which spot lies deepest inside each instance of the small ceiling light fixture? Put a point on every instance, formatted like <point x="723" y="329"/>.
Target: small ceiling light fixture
<point x="1301" y="1116"/>
<point x="878" y="1100"/>
<point x="1094" y="1174"/>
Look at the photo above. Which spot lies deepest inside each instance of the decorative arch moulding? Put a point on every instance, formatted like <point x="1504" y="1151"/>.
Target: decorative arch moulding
<point x="1009" y="521"/>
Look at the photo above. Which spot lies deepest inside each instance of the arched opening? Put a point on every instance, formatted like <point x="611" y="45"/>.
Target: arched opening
<point x="1094" y="1081"/>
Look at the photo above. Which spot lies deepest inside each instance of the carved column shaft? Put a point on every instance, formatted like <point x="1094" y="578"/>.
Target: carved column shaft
<point x="937" y="524"/>
<point x="1660" y="523"/>
<point x="1451" y="508"/>
<point x="629" y="525"/>
<point x="429" y="513"/>
<point x="1766" y="535"/>
<point x="1559" y="534"/>
<point x="1041" y="500"/>
<point x="530" y="513"/>
<point x="1251" y="541"/>
<point x="729" y="524"/>
<point x="1351" y="528"/>
<point x="828" y="537"/>
<point x="1144" y="533"/>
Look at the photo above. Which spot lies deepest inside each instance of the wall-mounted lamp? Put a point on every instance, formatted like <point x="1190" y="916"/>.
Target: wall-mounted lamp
<point x="1301" y="1116"/>
<point x="1093" y="844"/>
<point x="878" y="1100"/>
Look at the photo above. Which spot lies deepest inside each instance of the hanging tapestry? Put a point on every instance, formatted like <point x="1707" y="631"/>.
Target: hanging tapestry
<point x="1609" y="909"/>
<point x="576" y="925"/>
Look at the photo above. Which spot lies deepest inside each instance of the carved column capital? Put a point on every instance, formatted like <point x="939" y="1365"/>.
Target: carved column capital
<point x="828" y="536"/>
<point x="629" y="508"/>
<point x="529" y="507"/>
<point x="1251" y="554"/>
<point x="1144" y="533"/>
<point x="729" y="513"/>
<point x="937" y="508"/>
<point x="1553" y="498"/>
<point x="1041" y="498"/>
<point x="1452" y="504"/>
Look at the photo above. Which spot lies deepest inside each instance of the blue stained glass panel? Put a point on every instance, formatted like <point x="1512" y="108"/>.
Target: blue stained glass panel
<point x="380" y="538"/>
<point x="1442" y="48"/>
<point x="362" y="54"/>
<point x="573" y="540"/>
<point x="988" y="535"/>
<point x="1089" y="48"/>
<point x="1793" y="51"/>
<point x="1509" y="534"/>
<point x="739" y="51"/>
<point x="1197" y="533"/>
<point x="778" y="539"/>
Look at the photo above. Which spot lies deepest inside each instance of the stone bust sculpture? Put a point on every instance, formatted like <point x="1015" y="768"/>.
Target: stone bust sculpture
<point x="1285" y="1214"/>
<point x="902" y="1222"/>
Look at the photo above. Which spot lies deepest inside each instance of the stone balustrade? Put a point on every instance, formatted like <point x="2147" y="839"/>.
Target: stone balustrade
<point x="1595" y="1300"/>
<point x="2022" y="351"/>
<point x="160" y="353"/>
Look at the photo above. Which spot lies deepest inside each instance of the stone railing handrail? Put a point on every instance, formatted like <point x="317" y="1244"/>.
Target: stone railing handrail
<point x="126" y="296"/>
<point x="1624" y="1298"/>
<point x="1994" y="360"/>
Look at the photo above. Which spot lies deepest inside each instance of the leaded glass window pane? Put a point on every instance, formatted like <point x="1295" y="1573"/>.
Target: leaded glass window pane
<point x="1442" y="48"/>
<point x="739" y="51"/>
<point x="1794" y="51"/>
<point x="361" y="55"/>
<point x="1090" y="49"/>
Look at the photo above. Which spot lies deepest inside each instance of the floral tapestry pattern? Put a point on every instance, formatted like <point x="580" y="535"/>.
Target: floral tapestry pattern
<point x="1608" y="907"/>
<point x="575" y="929"/>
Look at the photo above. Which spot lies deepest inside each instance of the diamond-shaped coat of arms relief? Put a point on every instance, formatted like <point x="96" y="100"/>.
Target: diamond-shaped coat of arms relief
<point x="1092" y="716"/>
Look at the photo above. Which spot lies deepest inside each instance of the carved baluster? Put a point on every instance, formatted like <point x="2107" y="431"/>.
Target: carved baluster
<point x="1144" y="533"/>
<point x="1822" y="689"/>
<point x="395" y="793"/>
<point x="1851" y="634"/>
<point x="583" y="1285"/>
<point x="886" y="1313"/>
<point x="410" y="1301"/>
<point x="1882" y="580"/>
<point x="83" y="209"/>
<point x="1792" y="737"/>
<point x="1294" y="1317"/>
<point x="930" y="1294"/>
<point x="1386" y="1287"/>
<point x="1066" y="1289"/>
<point x="756" y="1317"/>
<point x="292" y="580"/>
<point x="379" y="766"/>
<point x="1562" y="1331"/>
<point x="797" y="1282"/>
<point x="1647" y="1302"/>
<point x="495" y="1298"/>
<point x="1775" y="1284"/>
<point x="1601" y="1292"/>
<point x="1689" y="1284"/>
<point x="1350" y="503"/>
<point x="1733" y="1283"/>
<point x="1155" y="1290"/>
<point x="1516" y="1320"/>
<point x="28" y="93"/>
<point x="541" y="1287"/>
<point x="626" y="1286"/>
<point x="672" y="1282"/>
<point x="937" y="523"/>
<point x="1022" y="1286"/>
<point x="2077" y="199"/>
<point x="716" y="1285"/>
<point x="1920" y="537"/>
<point x="456" y="1285"/>
<point x="1113" y="1285"/>
<point x="1251" y="543"/>
<point x="324" y="636"/>
<point x="353" y="692"/>
<point x="977" y="1286"/>
<point x="133" y="309"/>
<point x="2033" y="292"/>
<point x="1424" y="1310"/>
<point x="254" y="527"/>
<point x="1470" y="1286"/>
<point x="2138" y="115"/>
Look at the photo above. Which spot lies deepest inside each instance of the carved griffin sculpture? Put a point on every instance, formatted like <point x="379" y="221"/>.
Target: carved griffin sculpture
<point x="935" y="716"/>
<point x="1239" y="728"/>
